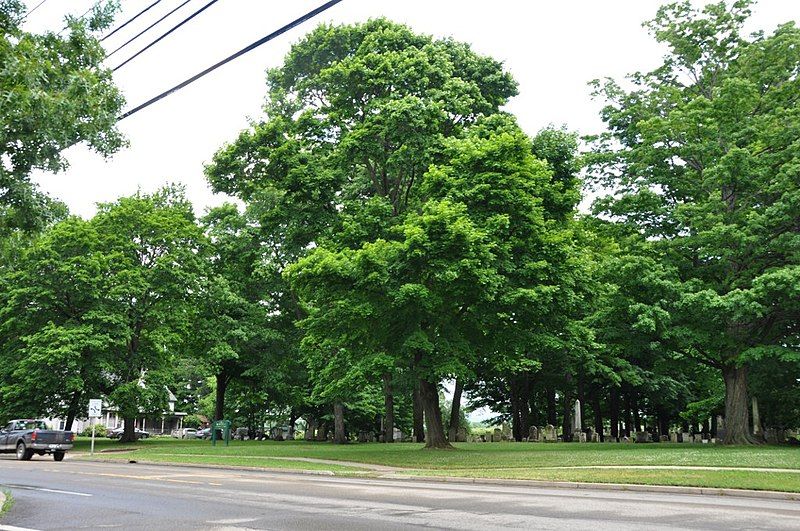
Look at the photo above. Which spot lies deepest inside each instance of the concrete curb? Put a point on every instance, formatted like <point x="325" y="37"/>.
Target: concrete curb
<point x="652" y="489"/>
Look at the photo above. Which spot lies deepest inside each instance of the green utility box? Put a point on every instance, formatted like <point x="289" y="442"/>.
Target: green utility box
<point x="225" y="427"/>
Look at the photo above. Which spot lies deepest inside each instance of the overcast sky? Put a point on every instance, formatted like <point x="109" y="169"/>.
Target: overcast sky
<point x="552" y="48"/>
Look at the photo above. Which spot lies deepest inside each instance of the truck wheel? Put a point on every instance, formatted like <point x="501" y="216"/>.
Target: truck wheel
<point x="23" y="454"/>
<point x="58" y="456"/>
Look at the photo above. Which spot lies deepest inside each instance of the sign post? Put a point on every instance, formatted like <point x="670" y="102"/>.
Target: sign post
<point x="95" y="408"/>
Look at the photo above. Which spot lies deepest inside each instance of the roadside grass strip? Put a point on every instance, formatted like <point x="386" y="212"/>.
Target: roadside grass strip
<point x="727" y="479"/>
<point x="696" y="465"/>
<point x="7" y="501"/>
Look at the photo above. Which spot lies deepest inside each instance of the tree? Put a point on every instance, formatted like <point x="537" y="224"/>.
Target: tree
<point x="155" y="251"/>
<point x="354" y="118"/>
<point x="700" y="158"/>
<point x="54" y="347"/>
<point x="56" y="93"/>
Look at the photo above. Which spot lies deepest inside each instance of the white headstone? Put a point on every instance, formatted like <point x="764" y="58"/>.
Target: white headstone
<point x="577" y="423"/>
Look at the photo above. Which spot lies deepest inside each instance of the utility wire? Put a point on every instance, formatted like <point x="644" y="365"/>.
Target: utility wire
<point x="137" y="15"/>
<point x="181" y="23"/>
<point x="253" y="46"/>
<point x="147" y="29"/>
<point x="30" y="11"/>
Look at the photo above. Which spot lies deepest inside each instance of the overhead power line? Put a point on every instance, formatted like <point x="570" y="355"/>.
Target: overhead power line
<point x="31" y="10"/>
<point x="156" y="41"/>
<point x="137" y="15"/>
<point x="146" y="29"/>
<point x="253" y="46"/>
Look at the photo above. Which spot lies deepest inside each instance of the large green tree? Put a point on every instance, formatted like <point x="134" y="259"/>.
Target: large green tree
<point x="701" y="158"/>
<point x="54" y="347"/>
<point x="354" y="117"/>
<point x="155" y="251"/>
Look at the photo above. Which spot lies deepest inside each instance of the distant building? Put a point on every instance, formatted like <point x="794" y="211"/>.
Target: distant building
<point x="164" y="423"/>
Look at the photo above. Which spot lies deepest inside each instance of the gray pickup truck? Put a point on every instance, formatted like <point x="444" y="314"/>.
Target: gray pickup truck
<point x="28" y="437"/>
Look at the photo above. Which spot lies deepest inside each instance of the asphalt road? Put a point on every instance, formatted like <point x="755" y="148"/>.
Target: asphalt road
<point x="82" y="495"/>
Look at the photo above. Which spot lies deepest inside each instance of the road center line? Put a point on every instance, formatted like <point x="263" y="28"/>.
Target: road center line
<point x="42" y="489"/>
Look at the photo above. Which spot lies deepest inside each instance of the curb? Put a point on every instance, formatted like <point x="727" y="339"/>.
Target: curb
<point x="652" y="489"/>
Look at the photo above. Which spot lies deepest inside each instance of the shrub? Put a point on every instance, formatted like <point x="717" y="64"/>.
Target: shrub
<point x="99" y="431"/>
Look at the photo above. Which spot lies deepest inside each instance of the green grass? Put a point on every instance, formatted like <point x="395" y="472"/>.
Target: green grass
<point x="725" y="479"/>
<point x="498" y="460"/>
<point x="9" y="502"/>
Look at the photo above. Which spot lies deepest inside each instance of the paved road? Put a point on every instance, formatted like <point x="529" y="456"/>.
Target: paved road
<point x="80" y="495"/>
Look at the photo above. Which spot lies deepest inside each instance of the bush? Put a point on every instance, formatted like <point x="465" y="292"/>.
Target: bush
<point x="99" y="431"/>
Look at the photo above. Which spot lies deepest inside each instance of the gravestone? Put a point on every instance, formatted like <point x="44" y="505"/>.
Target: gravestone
<point x="673" y="436"/>
<point x="550" y="434"/>
<point x="577" y="422"/>
<point x="664" y="438"/>
<point x="581" y="436"/>
<point x="461" y="435"/>
<point x="686" y="437"/>
<point x="497" y="435"/>
<point x="362" y="437"/>
<point x="642" y="437"/>
<point x="626" y="439"/>
<point x="595" y="437"/>
<point x="533" y="434"/>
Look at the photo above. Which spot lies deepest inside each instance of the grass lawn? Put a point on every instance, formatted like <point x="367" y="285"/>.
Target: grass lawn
<point x="496" y="460"/>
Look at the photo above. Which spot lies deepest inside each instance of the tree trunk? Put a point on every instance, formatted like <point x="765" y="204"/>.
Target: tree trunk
<point x="552" y="418"/>
<point x="388" y="405"/>
<point x="339" y="436"/>
<point x="419" y="427"/>
<point x="292" y="422"/>
<point x="614" y="413"/>
<point x="598" y="415"/>
<point x="129" y="430"/>
<point x="455" y="410"/>
<point x="322" y="431"/>
<point x="311" y="426"/>
<point x="637" y="425"/>
<point x="628" y="415"/>
<point x="515" y="413"/>
<point x="72" y="412"/>
<point x="524" y="407"/>
<point x="737" y="414"/>
<point x="434" y="428"/>
<point x="219" y="403"/>
<point x="566" y="421"/>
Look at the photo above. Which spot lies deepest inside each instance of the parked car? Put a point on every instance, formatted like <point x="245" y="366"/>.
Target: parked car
<point x="27" y="437"/>
<point x="116" y="433"/>
<point x="185" y="433"/>
<point x="205" y="433"/>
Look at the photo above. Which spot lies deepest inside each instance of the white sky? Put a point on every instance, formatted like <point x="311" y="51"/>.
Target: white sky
<point x="552" y="48"/>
